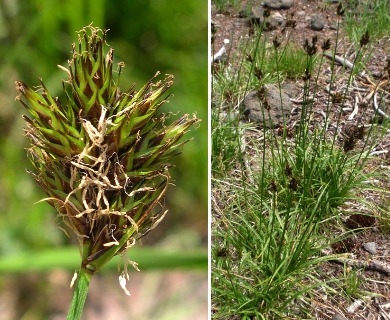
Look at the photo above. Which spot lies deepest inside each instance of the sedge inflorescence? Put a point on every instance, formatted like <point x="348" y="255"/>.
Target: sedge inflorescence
<point x="102" y="156"/>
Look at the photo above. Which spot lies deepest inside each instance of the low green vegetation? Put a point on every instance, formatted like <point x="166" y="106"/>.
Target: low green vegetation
<point x="371" y="16"/>
<point x="224" y="4"/>
<point x="280" y="196"/>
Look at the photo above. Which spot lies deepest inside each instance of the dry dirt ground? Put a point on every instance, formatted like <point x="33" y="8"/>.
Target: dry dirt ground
<point x="233" y="25"/>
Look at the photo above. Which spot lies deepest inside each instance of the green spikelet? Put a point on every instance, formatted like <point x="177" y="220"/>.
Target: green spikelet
<point x="102" y="157"/>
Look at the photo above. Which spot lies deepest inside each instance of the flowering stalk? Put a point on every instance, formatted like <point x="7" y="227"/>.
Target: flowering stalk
<point x="102" y="157"/>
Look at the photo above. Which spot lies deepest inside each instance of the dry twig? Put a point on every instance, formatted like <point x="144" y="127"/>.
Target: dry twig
<point x="371" y="265"/>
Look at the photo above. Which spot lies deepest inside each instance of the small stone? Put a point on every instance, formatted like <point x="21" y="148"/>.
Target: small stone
<point x="317" y="23"/>
<point x="268" y="108"/>
<point x="370" y="247"/>
<point x="278" y="4"/>
<point x="338" y="316"/>
<point x="277" y="17"/>
<point x="301" y="13"/>
<point x="274" y="21"/>
<point x="377" y="74"/>
<point x="257" y="18"/>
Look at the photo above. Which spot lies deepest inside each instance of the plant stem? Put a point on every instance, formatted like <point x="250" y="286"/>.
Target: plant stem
<point x="79" y="294"/>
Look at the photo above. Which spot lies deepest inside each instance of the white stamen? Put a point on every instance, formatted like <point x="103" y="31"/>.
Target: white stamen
<point x="73" y="279"/>
<point x="122" y="281"/>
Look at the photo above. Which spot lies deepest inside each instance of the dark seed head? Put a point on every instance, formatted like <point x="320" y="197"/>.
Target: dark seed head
<point x="387" y="67"/>
<point x="267" y="12"/>
<point x="340" y="10"/>
<point x="293" y="184"/>
<point x="258" y="73"/>
<point x="276" y="42"/>
<point x="222" y="252"/>
<point x="349" y="144"/>
<point x="307" y="75"/>
<point x="364" y="39"/>
<point x="311" y="49"/>
<point x="291" y="22"/>
<point x="273" y="187"/>
<point x="288" y="171"/>
<point x="337" y="97"/>
<point x="326" y="45"/>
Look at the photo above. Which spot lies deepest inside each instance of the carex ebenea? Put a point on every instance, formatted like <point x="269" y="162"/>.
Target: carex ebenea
<point x="102" y="156"/>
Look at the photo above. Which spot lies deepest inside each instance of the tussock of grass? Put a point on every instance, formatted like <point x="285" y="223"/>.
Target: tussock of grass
<point x="272" y="224"/>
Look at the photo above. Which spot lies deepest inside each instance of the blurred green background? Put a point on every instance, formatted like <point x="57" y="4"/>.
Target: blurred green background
<point x="150" y="35"/>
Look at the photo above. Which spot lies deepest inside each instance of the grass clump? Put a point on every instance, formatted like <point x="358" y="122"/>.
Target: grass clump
<point x="286" y="62"/>
<point x="274" y="222"/>
<point x="221" y="5"/>
<point x="362" y="16"/>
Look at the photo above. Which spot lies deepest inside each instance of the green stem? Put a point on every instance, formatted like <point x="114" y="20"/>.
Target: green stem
<point x="98" y="262"/>
<point x="79" y="295"/>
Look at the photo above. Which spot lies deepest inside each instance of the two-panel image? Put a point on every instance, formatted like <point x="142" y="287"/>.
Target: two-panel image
<point x="221" y="159"/>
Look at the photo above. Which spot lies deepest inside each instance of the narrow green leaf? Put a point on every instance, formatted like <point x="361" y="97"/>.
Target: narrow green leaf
<point x="69" y="258"/>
